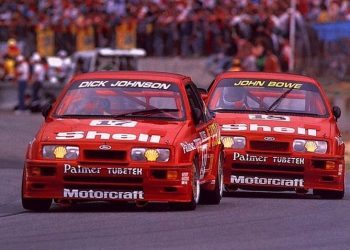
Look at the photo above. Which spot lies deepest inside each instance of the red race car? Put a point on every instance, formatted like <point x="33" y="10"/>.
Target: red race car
<point x="279" y="133"/>
<point x="129" y="137"/>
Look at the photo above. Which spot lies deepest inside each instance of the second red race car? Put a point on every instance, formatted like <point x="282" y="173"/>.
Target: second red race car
<point x="125" y="137"/>
<point x="279" y="132"/>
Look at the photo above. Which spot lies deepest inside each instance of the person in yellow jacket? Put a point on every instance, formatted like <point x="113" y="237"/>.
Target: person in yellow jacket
<point x="10" y="59"/>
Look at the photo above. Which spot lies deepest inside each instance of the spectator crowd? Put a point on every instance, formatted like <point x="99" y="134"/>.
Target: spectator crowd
<point x="250" y="35"/>
<point x="163" y="27"/>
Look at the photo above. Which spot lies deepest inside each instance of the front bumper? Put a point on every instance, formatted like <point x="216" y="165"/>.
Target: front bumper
<point x="107" y="181"/>
<point x="269" y="171"/>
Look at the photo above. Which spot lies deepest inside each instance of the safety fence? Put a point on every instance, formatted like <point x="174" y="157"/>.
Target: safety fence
<point x="326" y="54"/>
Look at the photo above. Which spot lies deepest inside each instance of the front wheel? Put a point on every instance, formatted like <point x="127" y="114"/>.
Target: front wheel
<point x="38" y="205"/>
<point x="214" y="197"/>
<point x="329" y="194"/>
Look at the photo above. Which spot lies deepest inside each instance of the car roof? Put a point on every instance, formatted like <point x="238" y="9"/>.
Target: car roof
<point x="134" y="75"/>
<point x="266" y="75"/>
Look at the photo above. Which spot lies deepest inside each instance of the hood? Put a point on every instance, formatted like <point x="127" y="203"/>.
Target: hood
<point x="105" y="130"/>
<point x="263" y="124"/>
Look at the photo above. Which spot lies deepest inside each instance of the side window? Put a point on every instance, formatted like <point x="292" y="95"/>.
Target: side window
<point x="196" y="104"/>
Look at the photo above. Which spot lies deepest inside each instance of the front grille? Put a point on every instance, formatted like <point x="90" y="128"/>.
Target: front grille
<point x="103" y="180"/>
<point x="103" y="187"/>
<point x="104" y="155"/>
<point x="269" y="146"/>
<point x="48" y="171"/>
<point x="121" y="183"/>
<point x="260" y="168"/>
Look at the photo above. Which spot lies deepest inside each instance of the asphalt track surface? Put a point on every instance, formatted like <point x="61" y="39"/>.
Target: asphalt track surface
<point x="242" y="220"/>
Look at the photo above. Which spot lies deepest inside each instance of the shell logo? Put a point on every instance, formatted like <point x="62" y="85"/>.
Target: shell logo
<point x="227" y="141"/>
<point x="60" y="152"/>
<point x="310" y="146"/>
<point x="151" y="155"/>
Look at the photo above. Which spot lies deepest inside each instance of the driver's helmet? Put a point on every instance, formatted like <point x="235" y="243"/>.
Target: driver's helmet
<point x="233" y="95"/>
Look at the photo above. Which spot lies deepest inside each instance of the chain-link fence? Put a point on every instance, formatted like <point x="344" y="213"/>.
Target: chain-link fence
<point x="325" y="53"/>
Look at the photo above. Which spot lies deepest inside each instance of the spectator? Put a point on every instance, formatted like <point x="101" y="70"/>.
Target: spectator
<point x="36" y="80"/>
<point x="323" y="17"/>
<point x="22" y="74"/>
<point x="249" y="61"/>
<point x="271" y="62"/>
<point x="260" y="53"/>
<point x="236" y="65"/>
<point x="218" y="63"/>
<point x="66" y="68"/>
<point x="10" y="59"/>
<point x="164" y="27"/>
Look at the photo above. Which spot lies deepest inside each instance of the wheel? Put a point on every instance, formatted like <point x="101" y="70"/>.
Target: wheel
<point x="39" y="205"/>
<point x="195" y="193"/>
<point x="329" y="194"/>
<point x="214" y="197"/>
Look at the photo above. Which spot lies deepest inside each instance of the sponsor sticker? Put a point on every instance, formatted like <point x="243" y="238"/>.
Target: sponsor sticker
<point x="265" y="181"/>
<point x="188" y="146"/>
<point x="94" y="135"/>
<point x="124" y="171"/>
<point x="97" y="194"/>
<point x="69" y="169"/>
<point x="340" y="169"/>
<point x="288" y="160"/>
<point x="261" y="117"/>
<point x="249" y="158"/>
<point x="270" y="84"/>
<point x="113" y="123"/>
<point x="124" y="84"/>
<point x="185" y="178"/>
<point x="275" y="159"/>
<point x="339" y="140"/>
<point x="204" y="136"/>
<point x="264" y="128"/>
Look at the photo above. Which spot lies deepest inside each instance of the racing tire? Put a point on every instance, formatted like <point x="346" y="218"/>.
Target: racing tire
<point x="329" y="194"/>
<point x="38" y="205"/>
<point x="196" y="193"/>
<point x="214" y="197"/>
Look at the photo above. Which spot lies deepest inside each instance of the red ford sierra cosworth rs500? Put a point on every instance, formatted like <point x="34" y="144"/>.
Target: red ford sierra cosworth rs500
<point x="279" y="133"/>
<point x="125" y="136"/>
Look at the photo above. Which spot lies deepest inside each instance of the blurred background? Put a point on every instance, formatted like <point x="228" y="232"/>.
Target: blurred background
<point x="43" y="43"/>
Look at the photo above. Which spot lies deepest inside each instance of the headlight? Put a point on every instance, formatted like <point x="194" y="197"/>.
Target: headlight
<point x="319" y="147"/>
<point x="150" y="154"/>
<point x="233" y="141"/>
<point x="60" y="152"/>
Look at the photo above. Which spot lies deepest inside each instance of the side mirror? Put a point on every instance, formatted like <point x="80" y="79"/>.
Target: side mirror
<point x="212" y="113"/>
<point x="197" y="115"/>
<point x="336" y="112"/>
<point x="203" y="93"/>
<point x="46" y="110"/>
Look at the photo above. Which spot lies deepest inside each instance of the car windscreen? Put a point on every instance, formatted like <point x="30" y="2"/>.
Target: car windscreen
<point x="272" y="96"/>
<point x="122" y="98"/>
